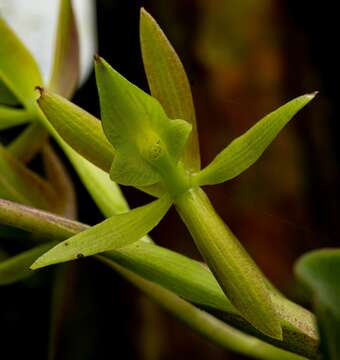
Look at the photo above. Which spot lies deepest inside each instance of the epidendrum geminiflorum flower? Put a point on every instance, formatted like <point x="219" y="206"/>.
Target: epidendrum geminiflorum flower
<point x="149" y="142"/>
<point x="151" y="152"/>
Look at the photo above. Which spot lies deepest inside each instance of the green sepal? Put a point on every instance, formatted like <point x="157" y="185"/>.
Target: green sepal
<point x="168" y="82"/>
<point x="117" y="231"/>
<point x="319" y="271"/>
<point x="138" y="128"/>
<point x="78" y="128"/>
<point x="245" y="150"/>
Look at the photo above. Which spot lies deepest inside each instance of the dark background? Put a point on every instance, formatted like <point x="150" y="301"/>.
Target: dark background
<point x="243" y="60"/>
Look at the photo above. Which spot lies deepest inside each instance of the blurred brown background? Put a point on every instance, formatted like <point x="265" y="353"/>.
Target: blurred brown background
<point x="243" y="59"/>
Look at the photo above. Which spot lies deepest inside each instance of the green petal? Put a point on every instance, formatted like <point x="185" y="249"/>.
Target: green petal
<point x="246" y="149"/>
<point x="113" y="233"/>
<point x="320" y="272"/>
<point x="168" y="82"/>
<point x="128" y="169"/>
<point x="65" y="70"/>
<point x="177" y="136"/>
<point x="136" y="124"/>
<point x="18" y="69"/>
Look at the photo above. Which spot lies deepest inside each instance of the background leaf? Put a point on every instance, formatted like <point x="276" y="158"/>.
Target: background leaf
<point x="246" y="149"/>
<point x="168" y="82"/>
<point x="320" y="272"/>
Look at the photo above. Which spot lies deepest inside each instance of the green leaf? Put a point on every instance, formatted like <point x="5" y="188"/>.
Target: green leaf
<point x="117" y="231"/>
<point x="65" y="71"/>
<point x="137" y="126"/>
<point x="246" y="149"/>
<point x="168" y="82"/>
<point x="17" y="267"/>
<point x="78" y="128"/>
<point x="319" y="271"/>
<point x="10" y="117"/>
<point x="6" y="96"/>
<point x="20" y="184"/>
<point x="18" y="69"/>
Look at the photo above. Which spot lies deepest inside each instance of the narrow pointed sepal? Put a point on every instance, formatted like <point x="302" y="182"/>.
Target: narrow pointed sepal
<point x="113" y="233"/>
<point x="245" y="150"/>
<point x="78" y="128"/>
<point x="169" y="83"/>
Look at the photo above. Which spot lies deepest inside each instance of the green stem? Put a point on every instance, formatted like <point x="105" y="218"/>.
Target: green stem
<point x="47" y="225"/>
<point x="236" y="272"/>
